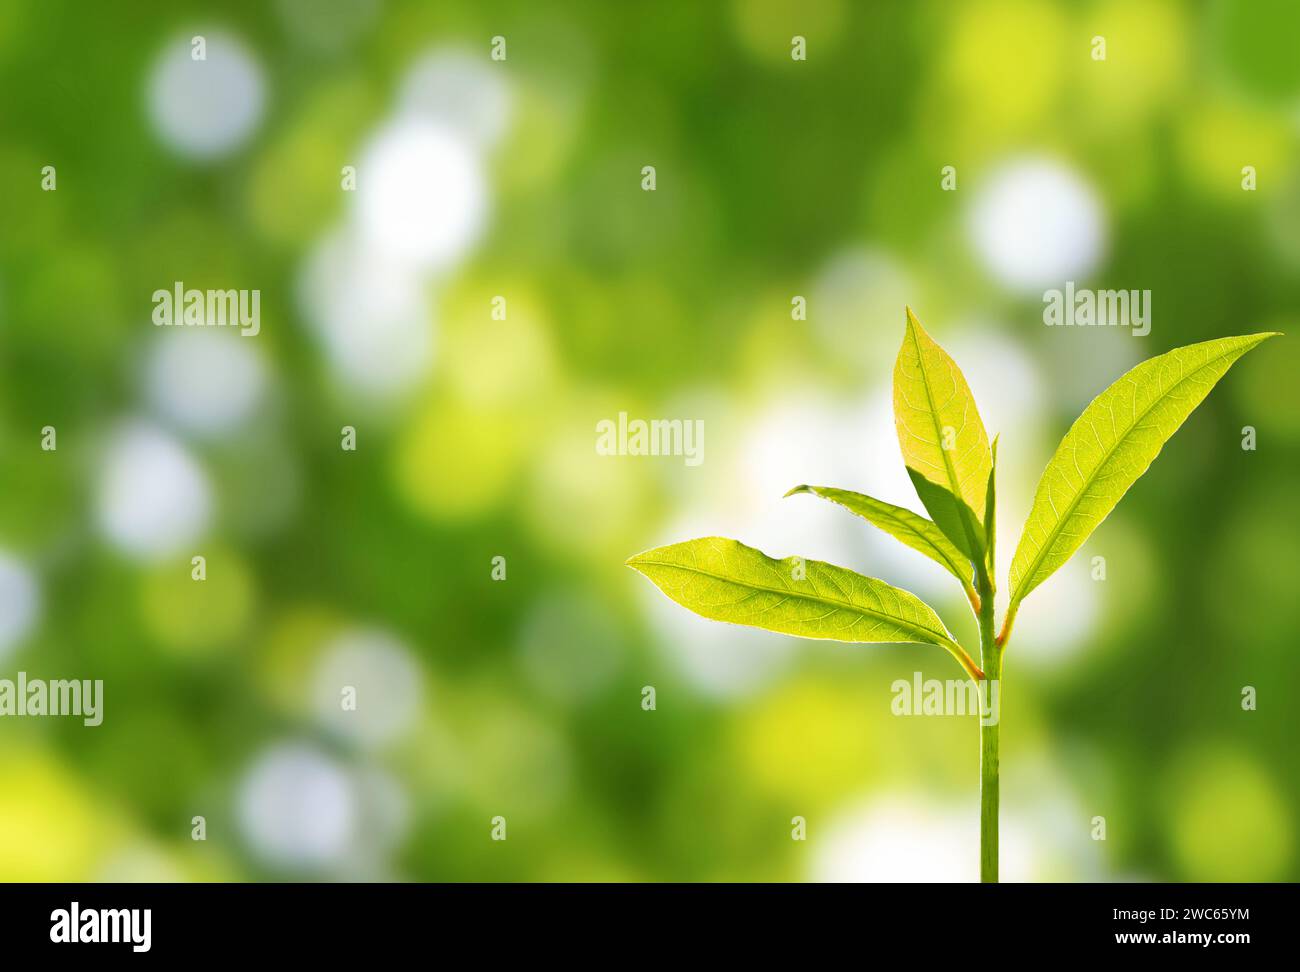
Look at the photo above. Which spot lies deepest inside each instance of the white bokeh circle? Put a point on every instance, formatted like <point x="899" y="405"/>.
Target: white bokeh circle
<point x="373" y="318"/>
<point x="152" y="497"/>
<point x="1036" y="223"/>
<point x="204" y="109"/>
<point x="421" y="195"/>
<point x="387" y="682"/>
<point x="206" y="382"/>
<point x="460" y="90"/>
<point x="20" y="602"/>
<point x="297" y="808"/>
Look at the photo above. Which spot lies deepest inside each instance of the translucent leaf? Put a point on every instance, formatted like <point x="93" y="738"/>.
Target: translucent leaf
<point x="724" y="580"/>
<point x="944" y="445"/>
<point x="1109" y="446"/>
<point x="903" y="525"/>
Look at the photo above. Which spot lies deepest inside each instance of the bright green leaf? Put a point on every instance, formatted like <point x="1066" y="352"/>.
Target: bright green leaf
<point x="991" y="511"/>
<point x="903" y="525"/>
<point x="1109" y="446"/>
<point x="724" y="580"/>
<point x="943" y="441"/>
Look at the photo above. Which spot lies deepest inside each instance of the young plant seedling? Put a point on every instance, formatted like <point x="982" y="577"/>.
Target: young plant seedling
<point x="953" y="467"/>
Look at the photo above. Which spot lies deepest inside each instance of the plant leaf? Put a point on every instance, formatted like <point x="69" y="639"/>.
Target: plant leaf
<point x="991" y="511"/>
<point x="954" y="518"/>
<point x="1109" y="446"/>
<point x="933" y="407"/>
<point x="903" y="525"/>
<point x="724" y="580"/>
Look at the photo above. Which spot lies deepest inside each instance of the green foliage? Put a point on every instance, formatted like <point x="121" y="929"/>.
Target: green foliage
<point x="724" y="580"/>
<point x="953" y="469"/>
<point x="991" y="513"/>
<point x="530" y="683"/>
<point x="1109" y="446"/>
<point x="944" y="444"/>
<point x="903" y="525"/>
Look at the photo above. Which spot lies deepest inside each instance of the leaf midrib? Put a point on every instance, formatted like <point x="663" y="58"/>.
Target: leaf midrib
<point x="1045" y="547"/>
<point x="828" y="601"/>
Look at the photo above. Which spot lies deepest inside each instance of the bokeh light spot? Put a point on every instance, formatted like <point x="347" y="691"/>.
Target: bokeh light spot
<point x="297" y="808"/>
<point x="153" y="499"/>
<point x="1036" y="223"/>
<point x="421" y="195"/>
<point x="204" y="109"/>
<point x="20" y="602"/>
<point x="206" y="381"/>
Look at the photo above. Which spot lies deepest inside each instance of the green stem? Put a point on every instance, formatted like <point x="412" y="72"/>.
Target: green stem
<point x="991" y="659"/>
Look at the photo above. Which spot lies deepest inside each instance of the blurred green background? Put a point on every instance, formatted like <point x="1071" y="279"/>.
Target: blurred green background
<point x="521" y="178"/>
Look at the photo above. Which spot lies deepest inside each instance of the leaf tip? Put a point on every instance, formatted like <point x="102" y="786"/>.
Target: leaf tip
<point x="1261" y="336"/>
<point x="799" y="489"/>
